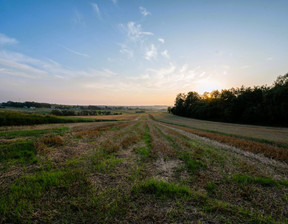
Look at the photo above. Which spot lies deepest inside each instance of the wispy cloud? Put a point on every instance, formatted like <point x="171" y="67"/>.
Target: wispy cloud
<point x="7" y="40"/>
<point x="161" y="40"/>
<point x="165" y="54"/>
<point x="75" y="52"/>
<point x="78" y="18"/>
<point x="151" y="53"/>
<point x="126" y="50"/>
<point x="144" y="11"/>
<point x="134" y="31"/>
<point x="96" y="10"/>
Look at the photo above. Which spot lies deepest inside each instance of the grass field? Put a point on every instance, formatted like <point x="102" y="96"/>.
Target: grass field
<point x="143" y="168"/>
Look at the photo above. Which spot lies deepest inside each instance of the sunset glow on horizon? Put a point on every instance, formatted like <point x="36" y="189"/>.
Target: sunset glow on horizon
<point x="141" y="52"/>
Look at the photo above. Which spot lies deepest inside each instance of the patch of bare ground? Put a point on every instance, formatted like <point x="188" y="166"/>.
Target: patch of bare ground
<point x="165" y="169"/>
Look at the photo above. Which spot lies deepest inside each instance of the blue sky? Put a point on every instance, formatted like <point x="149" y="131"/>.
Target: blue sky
<point x="130" y="52"/>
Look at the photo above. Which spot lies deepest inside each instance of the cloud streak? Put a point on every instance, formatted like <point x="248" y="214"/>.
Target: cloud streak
<point x="96" y="10"/>
<point x="75" y="52"/>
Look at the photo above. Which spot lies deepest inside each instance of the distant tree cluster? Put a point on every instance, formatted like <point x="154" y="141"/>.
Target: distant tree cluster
<point x="257" y="105"/>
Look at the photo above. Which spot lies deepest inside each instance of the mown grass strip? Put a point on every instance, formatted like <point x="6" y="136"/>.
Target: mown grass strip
<point x="255" y="147"/>
<point x="265" y="141"/>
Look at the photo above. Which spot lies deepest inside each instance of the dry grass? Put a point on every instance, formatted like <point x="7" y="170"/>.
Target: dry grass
<point x="129" y="140"/>
<point x="44" y="144"/>
<point x="109" y="146"/>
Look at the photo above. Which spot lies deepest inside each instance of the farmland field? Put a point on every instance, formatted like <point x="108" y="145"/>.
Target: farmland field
<point x="144" y="168"/>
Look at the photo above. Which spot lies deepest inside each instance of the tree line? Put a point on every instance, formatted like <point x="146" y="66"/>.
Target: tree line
<point x="250" y="105"/>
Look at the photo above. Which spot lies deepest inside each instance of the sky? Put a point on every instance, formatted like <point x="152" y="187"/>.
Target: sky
<point x="137" y="52"/>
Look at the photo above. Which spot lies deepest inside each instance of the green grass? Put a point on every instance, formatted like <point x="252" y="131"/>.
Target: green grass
<point x="102" y="161"/>
<point x="264" y="181"/>
<point x="142" y="151"/>
<point x="22" y="151"/>
<point x="211" y="188"/>
<point x="191" y="163"/>
<point x="32" y="132"/>
<point x="161" y="189"/>
<point x="147" y="137"/>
